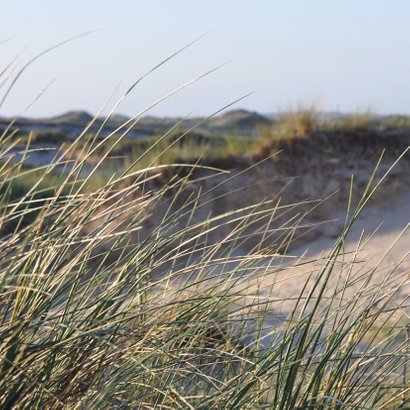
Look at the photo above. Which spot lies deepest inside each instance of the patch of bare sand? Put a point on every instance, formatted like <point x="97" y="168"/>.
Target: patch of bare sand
<point x="375" y="262"/>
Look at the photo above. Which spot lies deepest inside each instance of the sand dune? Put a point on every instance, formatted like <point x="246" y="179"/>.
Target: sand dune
<point x="377" y="245"/>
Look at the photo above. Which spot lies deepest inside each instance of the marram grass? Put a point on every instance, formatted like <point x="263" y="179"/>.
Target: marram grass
<point x="101" y="308"/>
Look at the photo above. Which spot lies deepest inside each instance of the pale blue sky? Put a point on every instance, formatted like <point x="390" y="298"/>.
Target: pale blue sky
<point x="347" y="54"/>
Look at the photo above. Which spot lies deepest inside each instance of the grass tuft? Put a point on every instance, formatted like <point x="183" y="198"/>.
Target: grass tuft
<point x="132" y="293"/>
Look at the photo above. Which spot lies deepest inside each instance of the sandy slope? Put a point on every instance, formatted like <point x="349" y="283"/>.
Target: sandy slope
<point x="385" y="220"/>
<point x="378" y="245"/>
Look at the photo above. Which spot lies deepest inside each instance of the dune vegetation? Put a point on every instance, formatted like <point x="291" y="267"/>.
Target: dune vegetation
<point x="125" y="289"/>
